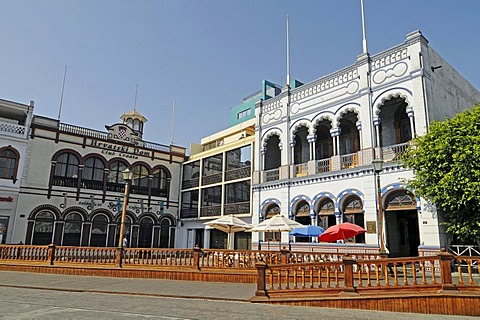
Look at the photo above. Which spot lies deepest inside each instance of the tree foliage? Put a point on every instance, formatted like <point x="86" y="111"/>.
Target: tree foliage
<point x="446" y="163"/>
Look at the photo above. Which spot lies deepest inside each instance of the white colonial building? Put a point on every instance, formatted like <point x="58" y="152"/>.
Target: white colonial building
<point x="72" y="189"/>
<point x="15" y="119"/>
<point x="314" y="147"/>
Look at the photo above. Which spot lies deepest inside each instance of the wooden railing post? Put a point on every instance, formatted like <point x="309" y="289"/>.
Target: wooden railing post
<point x="348" y="281"/>
<point x="446" y="259"/>
<point x="284" y="255"/>
<point x="119" y="257"/>
<point x="261" y="281"/>
<point x="19" y="253"/>
<point x="51" y="253"/>
<point x="196" y="257"/>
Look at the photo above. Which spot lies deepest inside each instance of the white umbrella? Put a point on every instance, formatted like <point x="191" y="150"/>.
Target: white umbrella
<point x="276" y="223"/>
<point x="230" y="225"/>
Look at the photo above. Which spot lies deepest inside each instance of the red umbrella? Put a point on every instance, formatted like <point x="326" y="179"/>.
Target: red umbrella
<point x="342" y="231"/>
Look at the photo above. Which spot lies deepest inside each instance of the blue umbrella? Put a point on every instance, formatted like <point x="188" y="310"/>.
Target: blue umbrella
<point x="307" y="231"/>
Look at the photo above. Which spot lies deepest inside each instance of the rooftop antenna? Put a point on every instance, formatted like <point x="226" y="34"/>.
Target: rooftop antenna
<point x="288" y="55"/>
<point x="364" y="42"/>
<point x="61" y="96"/>
<point x="135" y="103"/>
<point x="173" y="121"/>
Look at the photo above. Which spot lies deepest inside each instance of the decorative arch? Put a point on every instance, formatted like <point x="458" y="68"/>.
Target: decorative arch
<point x="149" y="215"/>
<point x="301" y="123"/>
<point x="323" y="116"/>
<point x="169" y="217"/>
<point x="76" y="209"/>
<point x="397" y="92"/>
<point x="160" y="166"/>
<point x="67" y="150"/>
<point x="346" y="108"/>
<point x="95" y="155"/>
<point x="45" y="207"/>
<point x="100" y="210"/>
<point x="269" y="133"/>
<point x="129" y="214"/>
<point x="117" y="159"/>
<point x="141" y="163"/>
<point x="343" y="195"/>
<point x="297" y="199"/>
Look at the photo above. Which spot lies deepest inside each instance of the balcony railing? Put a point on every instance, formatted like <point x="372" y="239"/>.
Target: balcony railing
<point x="192" y="183"/>
<point x="272" y="175"/>
<point x="11" y="129"/>
<point x="349" y="161"/>
<point x="395" y="152"/>
<point x="214" y="178"/>
<point x="189" y="213"/>
<point x="301" y="170"/>
<point x="323" y="165"/>
<point x="236" y="208"/>
<point x="239" y="173"/>
<point x="209" y="211"/>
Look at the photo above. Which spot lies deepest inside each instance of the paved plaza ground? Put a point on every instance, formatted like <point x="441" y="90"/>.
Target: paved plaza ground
<point x="47" y="296"/>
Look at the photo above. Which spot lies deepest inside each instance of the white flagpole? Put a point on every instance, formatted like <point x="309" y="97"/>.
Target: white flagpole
<point x="364" y="42"/>
<point x="173" y="122"/>
<point x="288" y="55"/>
<point x="61" y="96"/>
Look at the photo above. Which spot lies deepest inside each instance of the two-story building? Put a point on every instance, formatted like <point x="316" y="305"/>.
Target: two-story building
<point x="72" y="190"/>
<point x="314" y="147"/>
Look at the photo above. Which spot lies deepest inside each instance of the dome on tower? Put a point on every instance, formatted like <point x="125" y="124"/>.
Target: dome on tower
<point x="134" y="120"/>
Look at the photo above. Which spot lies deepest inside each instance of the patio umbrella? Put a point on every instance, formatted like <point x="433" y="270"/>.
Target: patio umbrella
<point x="307" y="231"/>
<point x="276" y="223"/>
<point x="342" y="231"/>
<point x="230" y="225"/>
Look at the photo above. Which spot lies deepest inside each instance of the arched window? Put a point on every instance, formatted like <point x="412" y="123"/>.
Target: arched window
<point x="66" y="170"/>
<point x="324" y="141"/>
<point x="115" y="180"/>
<point x="160" y="183"/>
<point x="140" y="180"/>
<point x="9" y="158"/>
<point x="302" y="215"/>
<point x="353" y="213"/>
<point x="43" y="230"/>
<point x="72" y="230"/>
<point x="167" y="234"/>
<point x="301" y="151"/>
<point x="92" y="177"/>
<point x="326" y="213"/>
<point x="98" y="237"/>
<point x="273" y="153"/>
<point x="145" y="236"/>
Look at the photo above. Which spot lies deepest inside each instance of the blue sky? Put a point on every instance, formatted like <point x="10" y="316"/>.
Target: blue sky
<point x="206" y="55"/>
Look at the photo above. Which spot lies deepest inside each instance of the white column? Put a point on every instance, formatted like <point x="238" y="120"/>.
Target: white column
<point x="410" y="115"/>
<point x="359" y="128"/>
<point x="376" y="123"/>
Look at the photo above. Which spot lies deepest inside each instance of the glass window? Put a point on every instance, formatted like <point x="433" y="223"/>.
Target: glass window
<point x="239" y="158"/>
<point x="160" y="182"/>
<point x="67" y="165"/>
<point x="92" y="177"/>
<point x="43" y="230"/>
<point x="212" y="165"/>
<point x="72" y="230"/>
<point x="98" y="237"/>
<point x="146" y="233"/>
<point x="212" y="196"/>
<point x="189" y="204"/>
<point x="237" y="192"/>
<point x="140" y="176"/>
<point x="9" y="158"/>
<point x="191" y="170"/>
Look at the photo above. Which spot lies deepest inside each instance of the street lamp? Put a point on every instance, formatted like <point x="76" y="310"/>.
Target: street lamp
<point x="378" y="167"/>
<point x="127" y="177"/>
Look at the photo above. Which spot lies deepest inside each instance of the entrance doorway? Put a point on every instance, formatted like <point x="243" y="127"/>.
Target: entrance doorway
<point x="401" y="217"/>
<point x="403" y="236"/>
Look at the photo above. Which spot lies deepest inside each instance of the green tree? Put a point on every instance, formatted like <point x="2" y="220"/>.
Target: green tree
<point x="446" y="163"/>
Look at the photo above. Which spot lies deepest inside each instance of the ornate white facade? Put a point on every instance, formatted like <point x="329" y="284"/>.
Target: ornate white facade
<point x="314" y="146"/>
